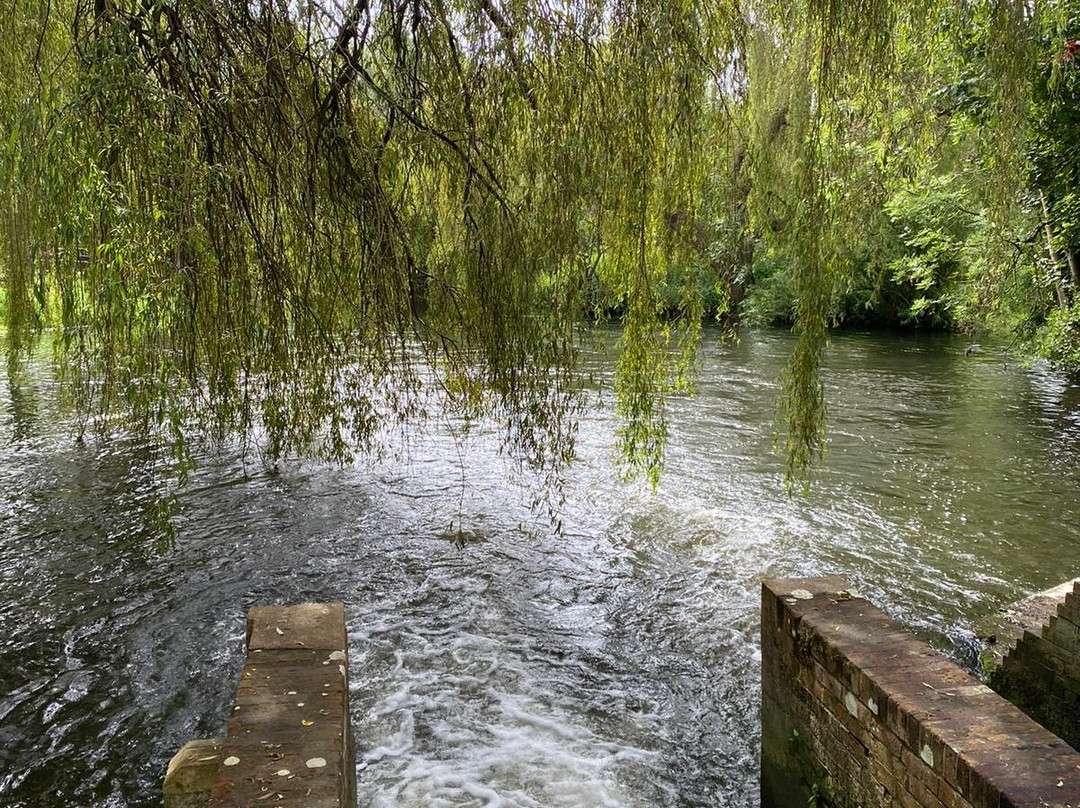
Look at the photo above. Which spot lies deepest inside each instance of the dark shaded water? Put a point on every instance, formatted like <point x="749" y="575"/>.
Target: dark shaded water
<point x="615" y="665"/>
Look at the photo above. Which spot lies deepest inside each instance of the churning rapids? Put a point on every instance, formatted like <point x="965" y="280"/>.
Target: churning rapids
<point x="614" y="665"/>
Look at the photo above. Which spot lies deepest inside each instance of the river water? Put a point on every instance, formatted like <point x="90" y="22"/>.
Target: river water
<point x="615" y="664"/>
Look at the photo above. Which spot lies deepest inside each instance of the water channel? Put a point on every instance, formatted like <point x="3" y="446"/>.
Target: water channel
<point x="612" y="665"/>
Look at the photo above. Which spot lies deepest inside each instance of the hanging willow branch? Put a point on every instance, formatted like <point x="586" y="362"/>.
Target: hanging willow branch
<point x="303" y="223"/>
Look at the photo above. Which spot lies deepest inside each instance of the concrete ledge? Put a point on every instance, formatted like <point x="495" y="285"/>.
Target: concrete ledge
<point x="857" y="712"/>
<point x="289" y="743"/>
<point x="319" y="626"/>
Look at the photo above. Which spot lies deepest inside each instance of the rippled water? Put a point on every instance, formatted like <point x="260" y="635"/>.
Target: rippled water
<point x="615" y="665"/>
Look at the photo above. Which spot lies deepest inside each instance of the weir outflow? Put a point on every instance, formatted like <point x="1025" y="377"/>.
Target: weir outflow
<point x="856" y="712"/>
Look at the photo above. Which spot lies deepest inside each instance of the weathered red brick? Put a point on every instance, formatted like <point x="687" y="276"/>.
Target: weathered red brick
<point x="934" y="736"/>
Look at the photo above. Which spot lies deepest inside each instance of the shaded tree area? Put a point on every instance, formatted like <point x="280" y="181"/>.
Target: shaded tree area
<point x="312" y="225"/>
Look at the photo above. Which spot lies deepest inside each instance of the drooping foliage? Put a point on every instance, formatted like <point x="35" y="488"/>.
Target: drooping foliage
<point x="309" y="222"/>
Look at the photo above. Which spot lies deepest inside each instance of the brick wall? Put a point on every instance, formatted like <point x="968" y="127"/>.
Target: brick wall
<point x="1041" y="675"/>
<point x="857" y="712"/>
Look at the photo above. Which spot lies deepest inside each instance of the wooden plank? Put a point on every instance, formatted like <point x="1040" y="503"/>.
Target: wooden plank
<point x="289" y="742"/>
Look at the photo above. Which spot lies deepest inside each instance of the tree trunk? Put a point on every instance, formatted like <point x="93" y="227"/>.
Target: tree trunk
<point x="1074" y="271"/>
<point x="1055" y="258"/>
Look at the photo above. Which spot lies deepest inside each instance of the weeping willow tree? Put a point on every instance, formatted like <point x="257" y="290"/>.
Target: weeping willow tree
<point x="310" y="221"/>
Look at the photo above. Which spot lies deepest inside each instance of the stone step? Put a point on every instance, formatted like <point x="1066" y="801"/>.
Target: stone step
<point x="289" y="743"/>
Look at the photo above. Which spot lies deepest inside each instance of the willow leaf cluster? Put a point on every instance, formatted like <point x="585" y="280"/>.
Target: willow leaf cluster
<point x="314" y="222"/>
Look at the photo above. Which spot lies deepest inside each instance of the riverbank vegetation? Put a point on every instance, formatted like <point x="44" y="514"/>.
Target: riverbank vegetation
<point x="313" y="221"/>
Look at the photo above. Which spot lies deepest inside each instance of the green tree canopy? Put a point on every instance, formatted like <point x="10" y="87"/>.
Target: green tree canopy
<point x="310" y="221"/>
